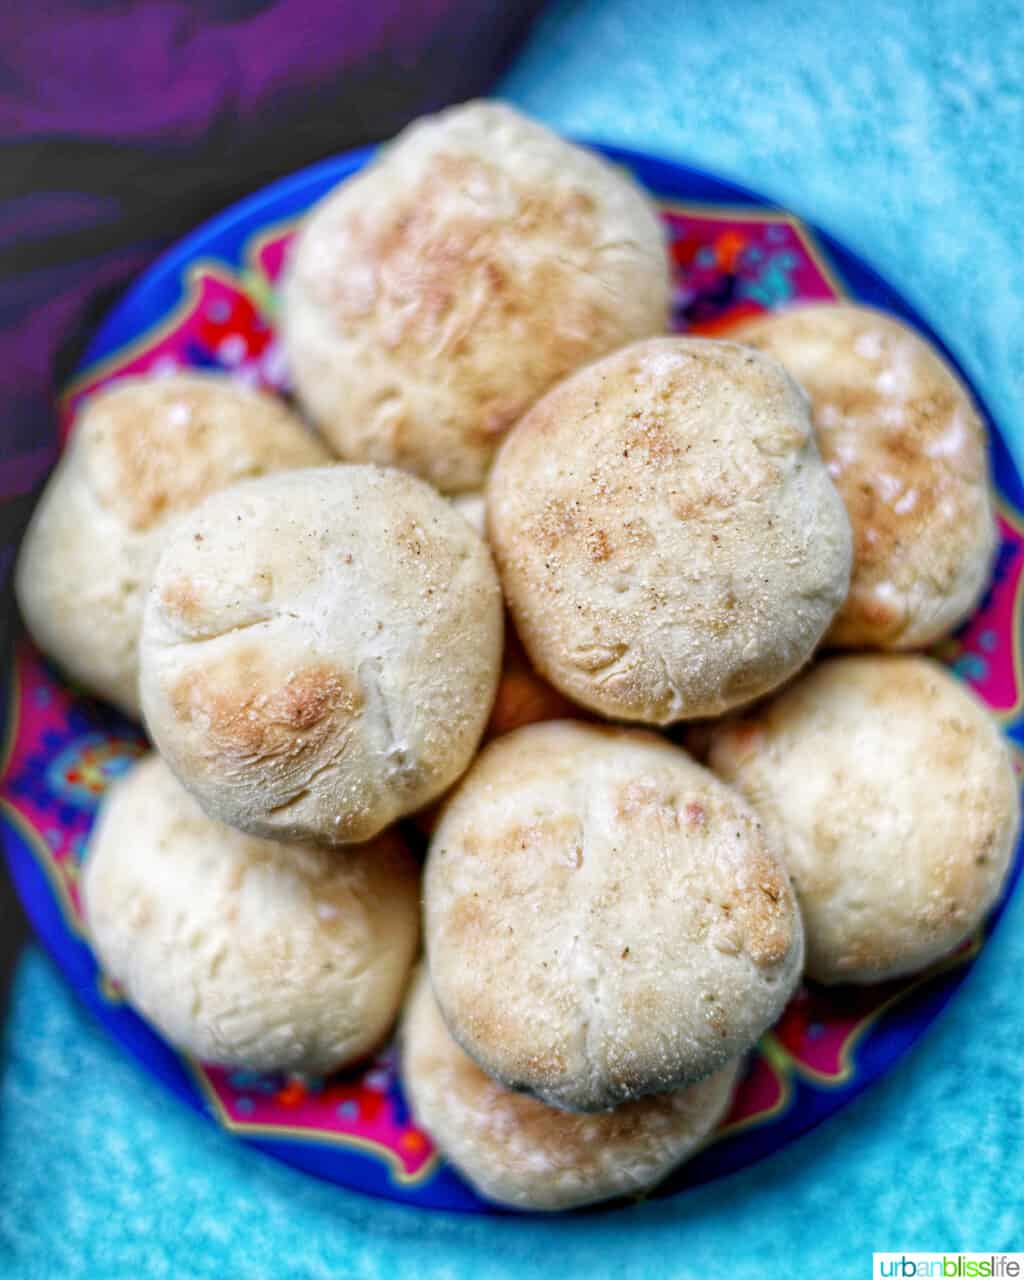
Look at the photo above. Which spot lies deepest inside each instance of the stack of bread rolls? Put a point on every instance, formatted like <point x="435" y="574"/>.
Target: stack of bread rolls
<point x="310" y="616"/>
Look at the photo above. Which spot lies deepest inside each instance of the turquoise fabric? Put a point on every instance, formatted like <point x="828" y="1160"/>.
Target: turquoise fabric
<point x="900" y="127"/>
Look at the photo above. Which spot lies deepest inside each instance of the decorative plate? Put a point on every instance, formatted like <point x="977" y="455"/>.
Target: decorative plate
<point x="210" y="303"/>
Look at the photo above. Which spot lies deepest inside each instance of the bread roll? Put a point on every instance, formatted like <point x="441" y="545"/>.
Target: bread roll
<point x="907" y="450"/>
<point x="519" y="1152"/>
<point x="246" y="952"/>
<point x="142" y="451"/>
<point x="603" y="918"/>
<point x="320" y="651"/>
<point x="432" y="297"/>
<point x="668" y="538"/>
<point x="892" y="793"/>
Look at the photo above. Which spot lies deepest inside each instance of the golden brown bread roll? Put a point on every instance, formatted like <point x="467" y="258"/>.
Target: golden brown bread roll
<point x="247" y="952"/>
<point x="890" y="791"/>
<point x="603" y="918"/>
<point x="434" y="296"/>
<point x="669" y="541"/>
<point x="907" y="450"/>
<point x="320" y="651"/>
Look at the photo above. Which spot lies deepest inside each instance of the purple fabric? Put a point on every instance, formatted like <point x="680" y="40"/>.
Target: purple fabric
<point x="125" y="122"/>
<point x="173" y="67"/>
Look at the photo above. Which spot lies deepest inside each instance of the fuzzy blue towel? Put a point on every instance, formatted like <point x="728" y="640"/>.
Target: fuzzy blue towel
<point x="901" y="128"/>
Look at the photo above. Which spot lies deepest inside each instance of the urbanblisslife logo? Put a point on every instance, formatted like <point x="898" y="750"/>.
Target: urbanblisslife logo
<point x="949" y="1266"/>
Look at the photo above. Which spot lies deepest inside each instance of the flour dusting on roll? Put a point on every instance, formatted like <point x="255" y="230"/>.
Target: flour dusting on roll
<point x="669" y="540"/>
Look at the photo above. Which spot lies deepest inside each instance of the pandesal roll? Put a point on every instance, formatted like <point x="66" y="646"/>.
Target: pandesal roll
<point x="669" y="540"/>
<point x="891" y="792"/>
<point x="432" y="297"/>
<point x="604" y="919"/>
<point x="247" y="952"/>
<point x="907" y="449"/>
<point x="320" y="651"/>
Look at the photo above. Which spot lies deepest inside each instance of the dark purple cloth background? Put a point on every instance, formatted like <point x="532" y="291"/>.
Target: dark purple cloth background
<point x="123" y="123"/>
